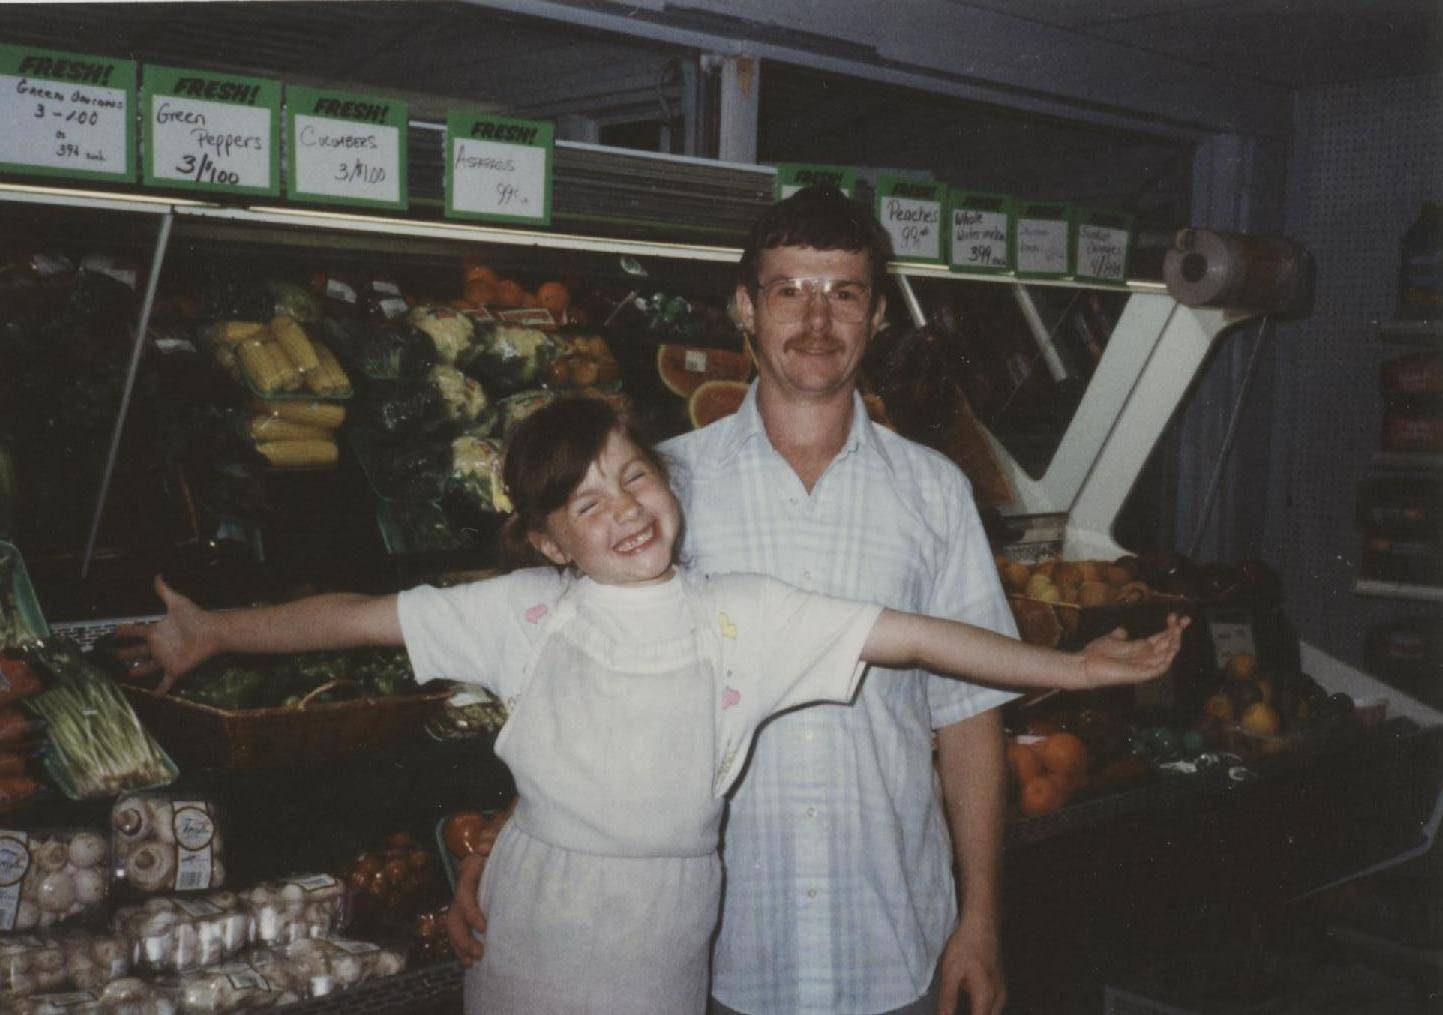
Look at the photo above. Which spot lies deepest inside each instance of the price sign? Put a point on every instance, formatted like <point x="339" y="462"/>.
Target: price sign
<point x="346" y="149"/>
<point x="498" y="169"/>
<point x="981" y="231"/>
<point x="1042" y="248"/>
<point x="66" y="114"/>
<point x="1101" y="243"/>
<point x="206" y="131"/>
<point x="911" y="212"/>
<point x="793" y="176"/>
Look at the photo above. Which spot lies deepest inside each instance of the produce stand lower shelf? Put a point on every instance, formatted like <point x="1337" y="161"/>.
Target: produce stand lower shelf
<point x="430" y="989"/>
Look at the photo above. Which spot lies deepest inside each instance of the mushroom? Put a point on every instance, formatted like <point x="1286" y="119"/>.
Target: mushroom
<point x="389" y="963"/>
<point x="150" y="867"/>
<point x="89" y="886"/>
<point x="131" y="819"/>
<point x="56" y="893"/>
<point x="346" y="969"/>
<point x="128" y="988"/>
<point x="186" y="941"/>
<point x="162" y="819"/>
<point x="111" y="953"/>
<point x="49" y="855"/>
<point x="86" y="850"/>
<point x="84" y="971"/>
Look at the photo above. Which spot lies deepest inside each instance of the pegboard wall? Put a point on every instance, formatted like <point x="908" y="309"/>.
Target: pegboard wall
<point x="1364" y="159"/>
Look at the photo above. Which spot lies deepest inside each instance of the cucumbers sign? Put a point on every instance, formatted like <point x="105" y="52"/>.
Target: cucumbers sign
<point x="344" y="148"/>
<point x="66" y="114"/>
<point x="498" y="169"/>
<point x="207" y="131"/>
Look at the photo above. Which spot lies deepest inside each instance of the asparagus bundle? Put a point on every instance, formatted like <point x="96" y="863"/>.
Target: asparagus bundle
<point x="96" y="744"/>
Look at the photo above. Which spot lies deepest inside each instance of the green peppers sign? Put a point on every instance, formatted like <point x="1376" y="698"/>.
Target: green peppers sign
<point x="66" y="114"/>
<point x="207" y="131"/>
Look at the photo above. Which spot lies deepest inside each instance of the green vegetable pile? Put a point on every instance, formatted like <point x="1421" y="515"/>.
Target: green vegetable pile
<point x="96" y="747"/>
<point x="236" y="683"/>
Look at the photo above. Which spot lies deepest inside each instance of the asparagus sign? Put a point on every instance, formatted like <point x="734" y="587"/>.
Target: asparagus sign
<point x="982" y="228"/>
<point x="66" y="114"/>
<point x="911" y="212"/>
<point x="207" y="131"/>
<point x="1041" y="247"/>
<point x="498" y="169"/>
<point x="348" y="149"/>
<point x="1100" y="244"/>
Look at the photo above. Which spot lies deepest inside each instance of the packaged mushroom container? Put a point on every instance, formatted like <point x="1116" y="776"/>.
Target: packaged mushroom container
<point x="49" y="876"/>
<point x="232" y="986"/>
<point x="174" y="935"/>
<point x="164" y="842"/>
<point x="301" y="907"/>
<point x="127" y="996"/>
<point x="30" y="964"/>
<point x="315" y="967"/>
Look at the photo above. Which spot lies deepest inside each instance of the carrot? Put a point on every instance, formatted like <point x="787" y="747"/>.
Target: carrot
<point x="17" y="680"/>
<point x="14" y="724"/>
<point x="11" y="764"/>
<point x="17" y="789"/>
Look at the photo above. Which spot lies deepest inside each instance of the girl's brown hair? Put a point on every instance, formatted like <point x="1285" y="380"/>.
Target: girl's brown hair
<point x="547" y="457"/>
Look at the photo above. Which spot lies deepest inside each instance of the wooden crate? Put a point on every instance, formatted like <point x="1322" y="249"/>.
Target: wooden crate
<point x="196" y="734"/>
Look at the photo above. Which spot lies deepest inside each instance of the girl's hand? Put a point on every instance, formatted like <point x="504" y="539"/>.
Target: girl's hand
<point x="174" y="645"/>
<point x="1113" y="659"/>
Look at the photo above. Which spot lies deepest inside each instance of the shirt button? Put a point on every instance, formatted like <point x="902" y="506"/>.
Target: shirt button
<point x="811" y="893"/>
<point x="811" y="812"/>
<point x="807" y="576"/>
<point x="808" y="734"/>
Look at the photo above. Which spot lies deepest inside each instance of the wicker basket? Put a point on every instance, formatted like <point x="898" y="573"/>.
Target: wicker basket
<point x="196" y="734"/>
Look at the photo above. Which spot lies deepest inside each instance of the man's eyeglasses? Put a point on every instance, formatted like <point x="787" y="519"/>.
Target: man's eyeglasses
<point x="788" y="299"/>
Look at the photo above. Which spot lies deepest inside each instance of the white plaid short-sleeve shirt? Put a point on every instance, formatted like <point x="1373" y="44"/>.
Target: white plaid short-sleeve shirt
<point x="839" y="890"/>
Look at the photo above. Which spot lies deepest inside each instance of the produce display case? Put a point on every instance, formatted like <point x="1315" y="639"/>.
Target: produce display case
<point x="1066" y="390"/>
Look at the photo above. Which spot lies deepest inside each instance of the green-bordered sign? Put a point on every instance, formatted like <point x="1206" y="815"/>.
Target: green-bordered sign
<point x="981" y="231"/>
<point x="208" y="131"/>
<point x="793" y="176"/>
<point x="498" y="169"/>
<point x="911" y="212"/>
<point x="66" y="114"/>
<point x="1041" y="248"/>
<point x="1101" y="242"/>
<point x="345" y="149"/>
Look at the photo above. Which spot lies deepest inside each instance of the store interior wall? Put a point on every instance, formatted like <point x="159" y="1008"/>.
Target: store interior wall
<point x="1365" y="157"/>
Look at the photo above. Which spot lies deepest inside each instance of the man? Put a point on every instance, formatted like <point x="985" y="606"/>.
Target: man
<point x="839" y="892"/>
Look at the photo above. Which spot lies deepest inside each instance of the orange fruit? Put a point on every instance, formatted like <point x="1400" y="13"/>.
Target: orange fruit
<point x="479" y="273"/>
<point x="509" y="293"/>
<point x="1242" y="666"/>
<point x="479" y="292"/>
<point x="1260" y="717"/>
<point x="1023" y="761"/>
<point x="1042" y="794"/>
<point x="554" y="296"/>
<point x="1064" y="755"/>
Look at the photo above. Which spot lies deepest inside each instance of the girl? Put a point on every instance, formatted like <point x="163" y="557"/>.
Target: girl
<point x="634" y="691"/>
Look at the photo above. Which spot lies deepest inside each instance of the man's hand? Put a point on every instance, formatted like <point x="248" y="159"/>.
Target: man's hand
<point x="971" y="962"/>
<point x="464" y="919"/>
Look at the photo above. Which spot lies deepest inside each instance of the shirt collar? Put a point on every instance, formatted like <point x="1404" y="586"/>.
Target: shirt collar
<point x="747" y="427"/>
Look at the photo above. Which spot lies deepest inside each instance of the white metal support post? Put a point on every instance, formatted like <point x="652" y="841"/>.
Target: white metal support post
<point x="741" y="83"/>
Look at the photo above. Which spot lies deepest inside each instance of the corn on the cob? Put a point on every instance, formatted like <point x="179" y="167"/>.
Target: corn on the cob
<point x="309" y="412"/>
<point x="262" y="368"/>
<point x="330" y="379"/>
<point x="299" y="454"/>
<point x="291" y="377"/>
<point x="234" y="332"/>
<point x="293" y="342"/>
<point x="275" y="428"/>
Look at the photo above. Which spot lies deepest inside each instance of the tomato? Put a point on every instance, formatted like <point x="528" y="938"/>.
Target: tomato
<point x="462" y="832"/>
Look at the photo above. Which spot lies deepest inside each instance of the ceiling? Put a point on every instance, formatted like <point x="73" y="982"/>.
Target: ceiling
<point x="1291" y="43"/>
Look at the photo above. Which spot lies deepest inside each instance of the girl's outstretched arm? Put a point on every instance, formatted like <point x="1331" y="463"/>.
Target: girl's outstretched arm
<point x="188" y="635"/>
<point x="906" y="640"/>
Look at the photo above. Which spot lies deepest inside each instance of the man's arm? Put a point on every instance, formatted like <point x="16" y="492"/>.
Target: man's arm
<point x="971" y="764"/>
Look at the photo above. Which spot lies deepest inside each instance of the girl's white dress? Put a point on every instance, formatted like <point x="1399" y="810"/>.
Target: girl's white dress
<point x="632" y="711"/>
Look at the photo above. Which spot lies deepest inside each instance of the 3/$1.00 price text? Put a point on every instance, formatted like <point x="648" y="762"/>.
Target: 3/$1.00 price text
<point x="203" y="169"/>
